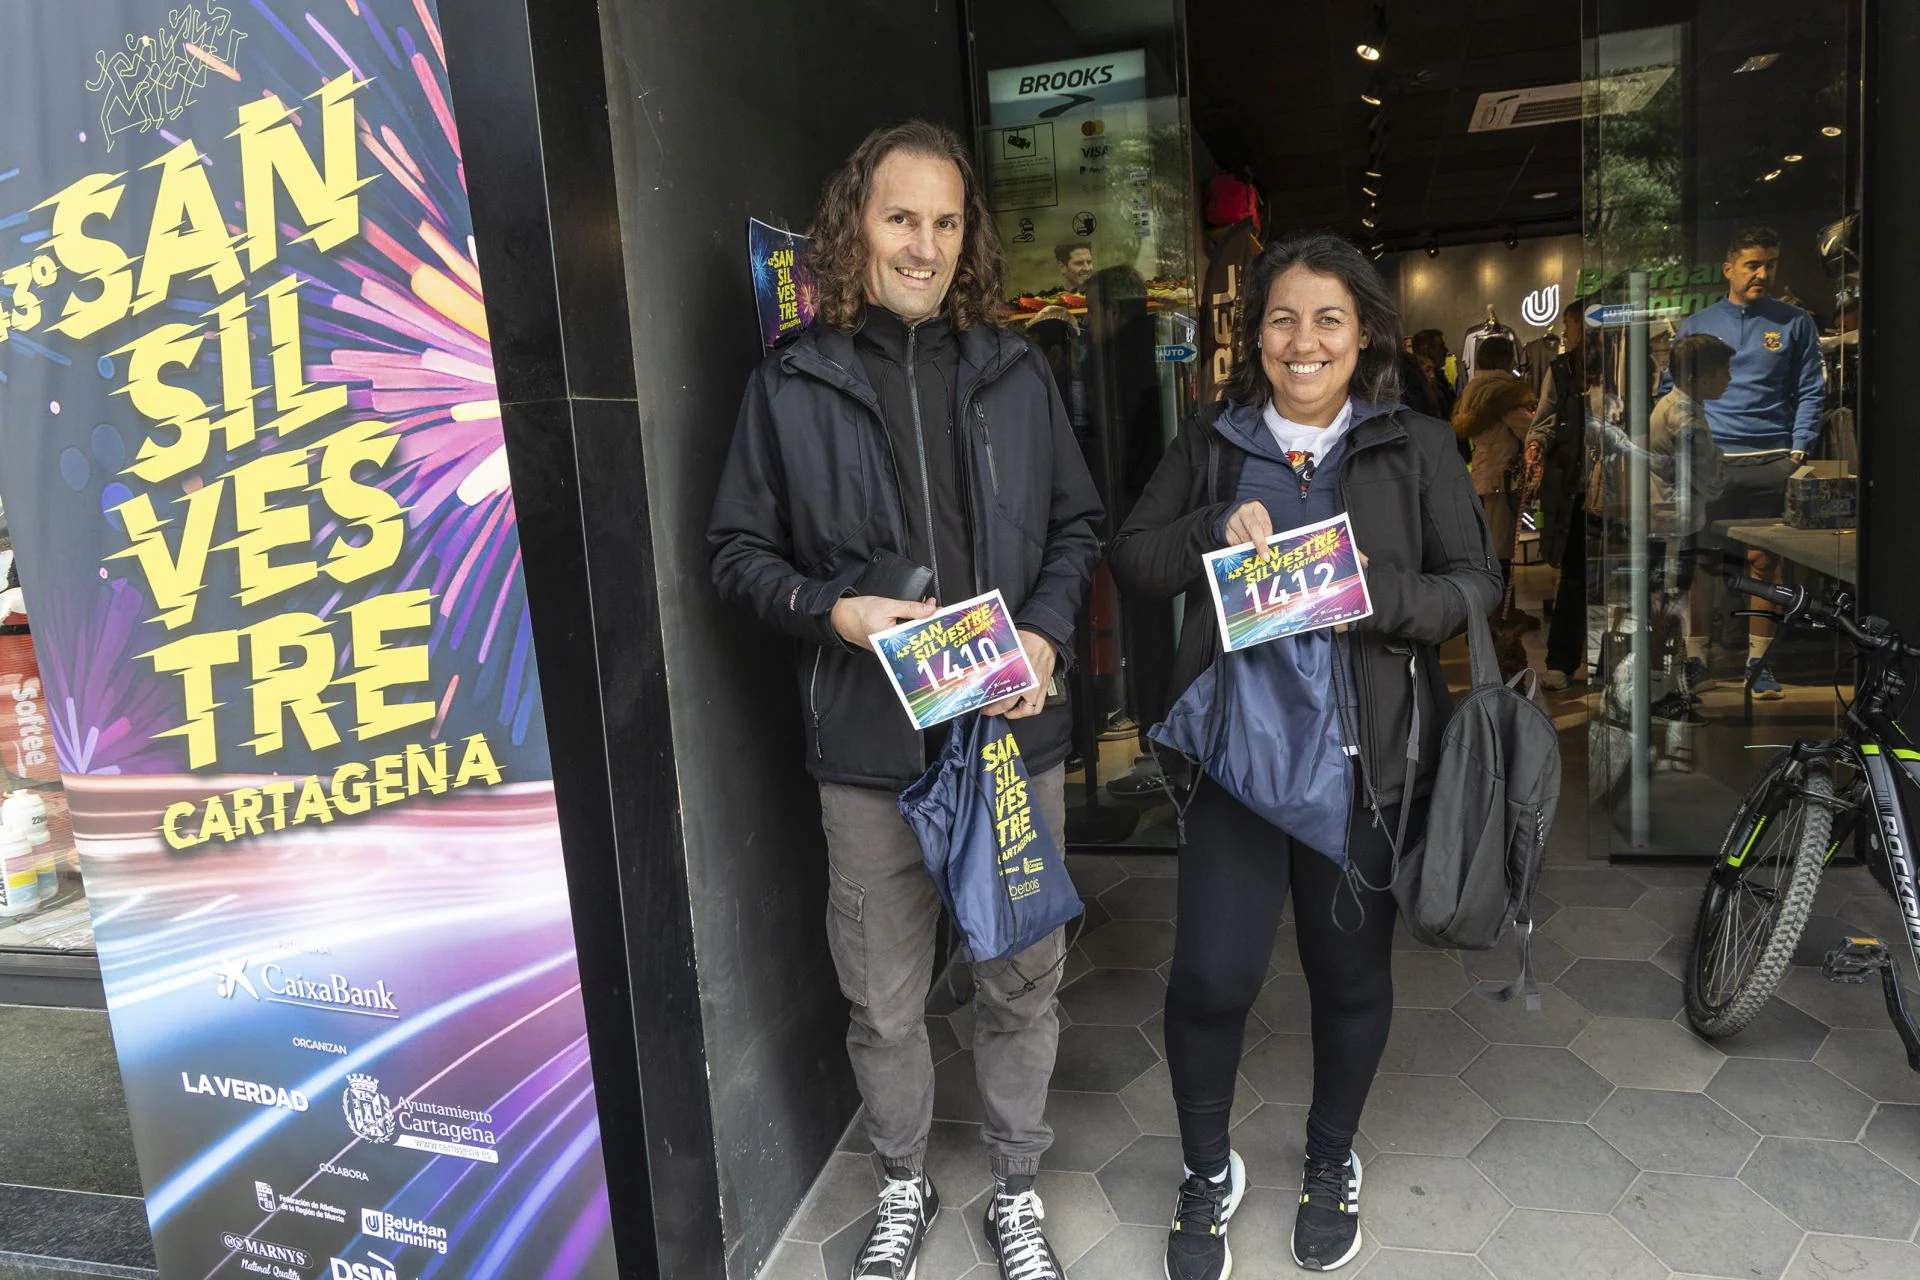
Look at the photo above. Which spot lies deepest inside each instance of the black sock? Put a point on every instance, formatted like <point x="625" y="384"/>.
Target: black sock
<point x="1015" y="1184"/>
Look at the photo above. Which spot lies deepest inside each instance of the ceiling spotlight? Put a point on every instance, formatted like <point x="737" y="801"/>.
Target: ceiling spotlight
<point x="1433" y="246"/>
<point x="1512" y="239"/>
<point x="1770" y="176"/>
<point x="1378" y="246"/>
<point x="1374" y="46"/>
<point x="1374" y="173"/>
<point x="1369" y="97"/>
<point x="1367" y="223"/>
<point x="1369" y="191"/>
<point x="1795" y="158"/>
<point x="1758" y="62"/>
<point x="1830" y="131"/>
<point x="1545" y="195"/>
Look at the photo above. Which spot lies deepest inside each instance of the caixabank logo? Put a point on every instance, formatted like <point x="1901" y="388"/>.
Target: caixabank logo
<point x="416" y="1123"/>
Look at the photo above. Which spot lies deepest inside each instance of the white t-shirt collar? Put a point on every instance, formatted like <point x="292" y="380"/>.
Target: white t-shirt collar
<point x="1296" y="437"/>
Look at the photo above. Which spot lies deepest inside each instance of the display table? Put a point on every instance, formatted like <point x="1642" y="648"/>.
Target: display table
<point x="1833" y="552"/>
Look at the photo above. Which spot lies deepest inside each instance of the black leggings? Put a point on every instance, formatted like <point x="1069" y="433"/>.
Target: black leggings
<point x="1235" y="869"/>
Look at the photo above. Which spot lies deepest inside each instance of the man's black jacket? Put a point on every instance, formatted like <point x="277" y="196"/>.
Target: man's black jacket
<point x="811" y="490"/>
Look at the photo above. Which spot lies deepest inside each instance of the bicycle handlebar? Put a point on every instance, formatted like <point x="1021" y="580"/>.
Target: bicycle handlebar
<point x="1798" y="602"/>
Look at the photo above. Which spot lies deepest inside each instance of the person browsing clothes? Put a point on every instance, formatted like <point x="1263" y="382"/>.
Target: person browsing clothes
<point x="1311" y="428"/>
<point x="1769" y="418"/>
<point x="905" y="421"/>
<point x="1493" y="414"/>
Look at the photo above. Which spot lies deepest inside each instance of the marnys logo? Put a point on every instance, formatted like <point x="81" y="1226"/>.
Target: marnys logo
<point x="263" y="1195"/>
<point x="378" y="1224"/>
<point x="265" y="1258"/>
<point x="416" y="1124"/>
<point x="260" y="1095"/>
<point x="335" y="991"/>
<point x="378" y="1269"/>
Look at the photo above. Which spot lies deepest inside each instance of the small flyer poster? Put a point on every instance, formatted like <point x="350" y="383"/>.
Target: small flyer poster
<point x="965" y="657"/>
<point x="1314" y="582"/>
<point x="783" y="288"/>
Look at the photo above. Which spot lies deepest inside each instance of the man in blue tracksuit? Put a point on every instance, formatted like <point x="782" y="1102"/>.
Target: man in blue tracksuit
<point x="1769" y="418"/>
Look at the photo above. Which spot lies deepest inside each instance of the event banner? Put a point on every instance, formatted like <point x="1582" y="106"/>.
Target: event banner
<point x="1310" y="578"/>
<point x="251" y="456"/>
<point x="783" y="289"/>
<point x="965" y="657"/>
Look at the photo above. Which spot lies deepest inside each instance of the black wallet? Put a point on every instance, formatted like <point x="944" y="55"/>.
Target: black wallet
<point x="894" y="578"/>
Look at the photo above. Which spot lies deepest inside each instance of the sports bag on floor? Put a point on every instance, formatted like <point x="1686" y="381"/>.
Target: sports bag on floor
<point x="986" y="843"/>
<point x="1468" y="881"/>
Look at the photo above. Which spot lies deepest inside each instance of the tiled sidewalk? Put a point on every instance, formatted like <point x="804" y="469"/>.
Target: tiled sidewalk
<point x="1595" y="1140"/>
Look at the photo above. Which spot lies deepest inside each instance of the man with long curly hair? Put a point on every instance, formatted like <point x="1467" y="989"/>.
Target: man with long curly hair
<point x="904" y="423"/>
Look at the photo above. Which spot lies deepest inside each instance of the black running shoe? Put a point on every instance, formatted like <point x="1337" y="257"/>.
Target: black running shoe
<point x="1013" y="1229"/>
<point x="892" y="1250"/>
<point x="1197" y="1244"/>
<point x="1326" y="1231"/>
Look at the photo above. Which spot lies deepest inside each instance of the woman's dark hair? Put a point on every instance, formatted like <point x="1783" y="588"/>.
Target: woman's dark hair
<point x="1377" y="375"/>
<point x="839" y="260"/>
<point x="1494" y="353"/>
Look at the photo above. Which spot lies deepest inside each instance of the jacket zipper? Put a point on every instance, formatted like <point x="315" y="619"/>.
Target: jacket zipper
<point x="993" y="472"/>
<point x="920" y="443"/>
<point x="813" y="701"/>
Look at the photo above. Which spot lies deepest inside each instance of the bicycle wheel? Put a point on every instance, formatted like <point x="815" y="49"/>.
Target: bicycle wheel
<point x="1759" y="895"/>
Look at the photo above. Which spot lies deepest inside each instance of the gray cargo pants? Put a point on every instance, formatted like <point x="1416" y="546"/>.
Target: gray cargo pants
<point x="882" y="913"/>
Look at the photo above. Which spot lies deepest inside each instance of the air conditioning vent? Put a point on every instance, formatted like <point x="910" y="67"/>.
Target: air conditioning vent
<point x="1619" y="93"/>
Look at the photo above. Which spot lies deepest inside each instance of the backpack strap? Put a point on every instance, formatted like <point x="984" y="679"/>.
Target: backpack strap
<point x="1480" y="656"/>
<point x="1523" y="984"/>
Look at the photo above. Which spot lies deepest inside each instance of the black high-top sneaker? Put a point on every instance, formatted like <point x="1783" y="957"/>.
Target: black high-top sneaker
<point x="907" y="1208"/>
<point x="1326" y="1230"/>
<point x="1013" y="1229"/>
<point x="1197" y="1244"/>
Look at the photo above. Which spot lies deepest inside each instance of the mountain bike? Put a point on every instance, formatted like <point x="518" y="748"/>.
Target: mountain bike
<point x="1810" y="800"/>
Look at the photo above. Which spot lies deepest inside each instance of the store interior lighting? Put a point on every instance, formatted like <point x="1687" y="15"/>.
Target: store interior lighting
<point x="1374" y="46"/>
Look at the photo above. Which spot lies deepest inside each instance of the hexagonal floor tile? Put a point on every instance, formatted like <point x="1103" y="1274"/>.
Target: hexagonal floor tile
<point x="1115" y="997"/>
<point x="1126" y="1251"/>
<point x="1874" y="1062"/>
<point x="1534" y="1244"/>
<point x="1672" y="909"/>
<point x="1821" y="934"/>
<point x="1712" y="1226"/>
<point x="1418" y="1264"/>
<point x="1089" y="1129"/>
<point x="1599" y="887"/>
<point x="1894" y="1136"/>
<point x="843" y="1192"/>
<point x="1832" y="1257"/>
<point x="1078" y="1215"/>
<point x="1544" y="1165"/>
<point x="1099" y="1059"/>
<point x="1779" y="1030"/>
<point x="1286" y="949"/>
<point x="1142" y="899"/>
<point x="1672" y="957"/>
<point x="1129" y="944"/>
<point x="1272" y="1143"/>
<point x="1263" y="1240"/>
<point x="1143" y="1182"/>
<point x="948" y="1253"/>
<point x="1674" y="1132"/>
<point x="1094" y="873"/>
<point x="1639" y="1053"/>
<point x="1426" y="980"/>
<point x="1430" y="1042"/>
<point x="1281" y="1068"/>
<point x="1534" y="1082"/>
<point x="957" y="1161"/>
<point x="1424" y="1115"/>
<point x="1605" y="933"/>
<point x="1790" y="1099"/>
<point x="1670" y="875"/>
<point x="1839" y="1188"/>
<point x="1429" y="1202"/>
<point x="1501" y="964"/>
<point x="1833" y="1003"/>
<point x="793" y="1260"/>
<point x="1150" y="1101"/>
<point x="1285" y="1005"/>
<point x="1623" y="988"/>
<point x="1557" y="1022"/>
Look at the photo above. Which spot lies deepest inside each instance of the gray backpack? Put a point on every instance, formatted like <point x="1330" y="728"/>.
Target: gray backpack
<point x="1469" y="879"/>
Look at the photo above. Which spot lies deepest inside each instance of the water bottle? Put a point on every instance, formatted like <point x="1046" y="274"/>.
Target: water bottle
<point x="19" y="875"/>
<point x="26" y="813"/>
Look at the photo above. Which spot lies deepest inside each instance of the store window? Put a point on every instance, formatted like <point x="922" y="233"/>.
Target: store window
<point x="1720" y="282"/>
<point x="1084" y="142"/>
<point x="43" y="907"/>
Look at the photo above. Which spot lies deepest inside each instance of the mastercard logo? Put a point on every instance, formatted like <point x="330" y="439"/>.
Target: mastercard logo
<point x="1093" y="128"/>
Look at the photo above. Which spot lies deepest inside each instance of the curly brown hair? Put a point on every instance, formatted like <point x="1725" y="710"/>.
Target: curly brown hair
<point x="839" y="256"/>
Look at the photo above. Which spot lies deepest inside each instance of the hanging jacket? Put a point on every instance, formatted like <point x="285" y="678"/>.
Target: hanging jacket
<point x="1416" y="517"/>
<point x="812" y="488"/>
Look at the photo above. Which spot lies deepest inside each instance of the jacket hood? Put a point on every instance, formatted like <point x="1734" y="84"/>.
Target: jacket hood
<point x="1245" y="425"/>
<point x="986" y="352"/>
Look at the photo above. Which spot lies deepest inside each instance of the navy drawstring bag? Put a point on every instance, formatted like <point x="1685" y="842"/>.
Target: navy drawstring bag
<point x="1265" y="724"/>
<point x="986" y="844"/>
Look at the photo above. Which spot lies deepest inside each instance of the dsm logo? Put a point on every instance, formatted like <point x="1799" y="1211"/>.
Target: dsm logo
<point x="376" y="1269"/>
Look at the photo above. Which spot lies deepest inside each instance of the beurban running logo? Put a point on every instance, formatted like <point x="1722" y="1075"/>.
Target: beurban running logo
<point x="378" y="1224"/>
